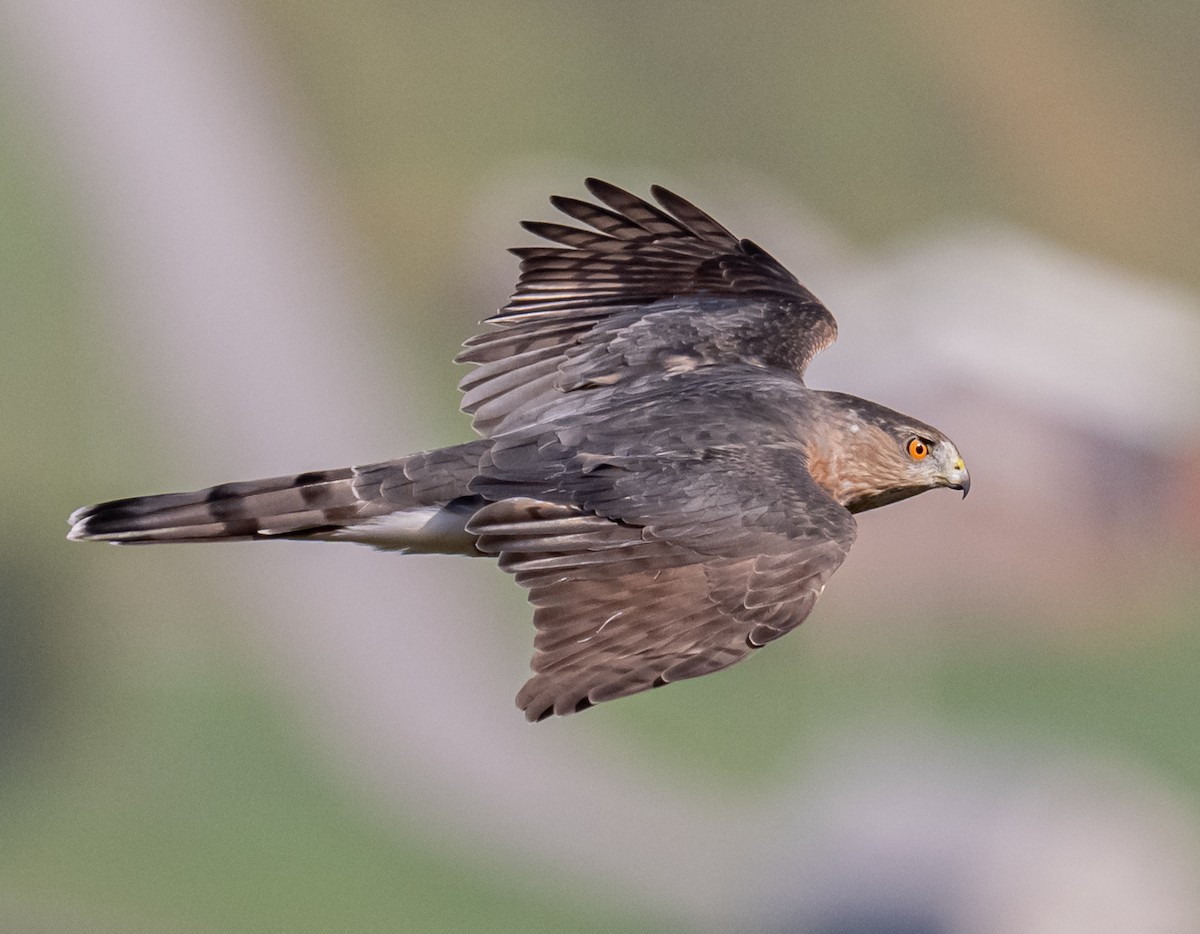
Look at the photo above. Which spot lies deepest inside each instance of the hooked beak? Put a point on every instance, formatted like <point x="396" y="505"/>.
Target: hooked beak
<point x="957" y="477"/>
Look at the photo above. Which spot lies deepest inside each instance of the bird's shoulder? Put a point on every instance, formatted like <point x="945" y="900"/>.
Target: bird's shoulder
<point x="726" y="446"/>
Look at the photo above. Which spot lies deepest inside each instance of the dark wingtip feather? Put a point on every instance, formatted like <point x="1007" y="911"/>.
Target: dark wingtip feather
<point x="596" y="185"/>
<point x="604" y="220"/>
<point x="573" y="237"/>
<point x="630" y="206"/>
<point x="700" y="222"/>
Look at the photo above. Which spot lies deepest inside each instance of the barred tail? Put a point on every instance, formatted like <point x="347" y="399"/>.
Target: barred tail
<point x="303" y="504"/>
<point x="419" y="503"/>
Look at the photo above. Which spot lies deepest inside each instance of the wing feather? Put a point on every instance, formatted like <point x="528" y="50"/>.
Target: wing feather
<point x="648" y="569"/>
<point x="638" y="289"/>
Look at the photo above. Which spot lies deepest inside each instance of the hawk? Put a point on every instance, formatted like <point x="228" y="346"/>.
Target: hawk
<point x="651" y="466"/>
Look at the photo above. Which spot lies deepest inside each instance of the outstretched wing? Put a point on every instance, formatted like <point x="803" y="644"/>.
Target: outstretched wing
<point x="661" y="567"/>
<point x="649" y="288"/>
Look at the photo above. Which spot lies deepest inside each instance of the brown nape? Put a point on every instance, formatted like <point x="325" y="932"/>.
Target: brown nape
<point x="859" y="465"/>
<point x="822" y="470"/>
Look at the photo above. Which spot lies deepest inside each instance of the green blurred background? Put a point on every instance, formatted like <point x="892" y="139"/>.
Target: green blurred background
<point x="159" y="769"/>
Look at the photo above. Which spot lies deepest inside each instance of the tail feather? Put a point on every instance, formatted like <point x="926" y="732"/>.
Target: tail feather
<point x="419" y="503"/>
<point x="301" y="504"/>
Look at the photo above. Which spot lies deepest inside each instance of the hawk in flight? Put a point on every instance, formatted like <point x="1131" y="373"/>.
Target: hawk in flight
<point x="651" y="466"/>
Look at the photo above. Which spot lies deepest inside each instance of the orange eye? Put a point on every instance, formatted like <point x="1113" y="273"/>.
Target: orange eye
<point x="918" y="450"/>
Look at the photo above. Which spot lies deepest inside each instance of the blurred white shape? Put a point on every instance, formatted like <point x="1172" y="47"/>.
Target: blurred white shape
<point x="1018" y="318"/>
<point x="1090" y="850"/>
<point x="913" y="830"/>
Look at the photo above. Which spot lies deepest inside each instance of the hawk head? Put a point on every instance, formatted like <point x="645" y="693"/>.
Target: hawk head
<point x="868" y="455"/>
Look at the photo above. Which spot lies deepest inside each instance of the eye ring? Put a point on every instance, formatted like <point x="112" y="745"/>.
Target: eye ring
<point x="918" y="448"/>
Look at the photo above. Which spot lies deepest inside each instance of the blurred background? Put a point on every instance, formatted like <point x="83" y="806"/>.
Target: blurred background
<point x="241" y="239"/>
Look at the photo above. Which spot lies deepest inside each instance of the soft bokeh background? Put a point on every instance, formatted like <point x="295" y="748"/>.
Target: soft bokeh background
<point x="242" y="239"/>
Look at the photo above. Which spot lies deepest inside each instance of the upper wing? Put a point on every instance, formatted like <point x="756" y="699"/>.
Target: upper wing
<point x="661" y="568"/>
<point x="650" y="288"/>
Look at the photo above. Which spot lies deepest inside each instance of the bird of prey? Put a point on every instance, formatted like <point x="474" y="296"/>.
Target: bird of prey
<point x="651" y="466"/>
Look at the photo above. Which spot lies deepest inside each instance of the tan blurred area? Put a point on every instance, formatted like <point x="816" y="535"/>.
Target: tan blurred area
<point x="245" y="239"/>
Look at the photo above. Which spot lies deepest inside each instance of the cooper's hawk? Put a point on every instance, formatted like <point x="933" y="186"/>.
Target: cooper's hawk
<point x="651" y="467"/>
